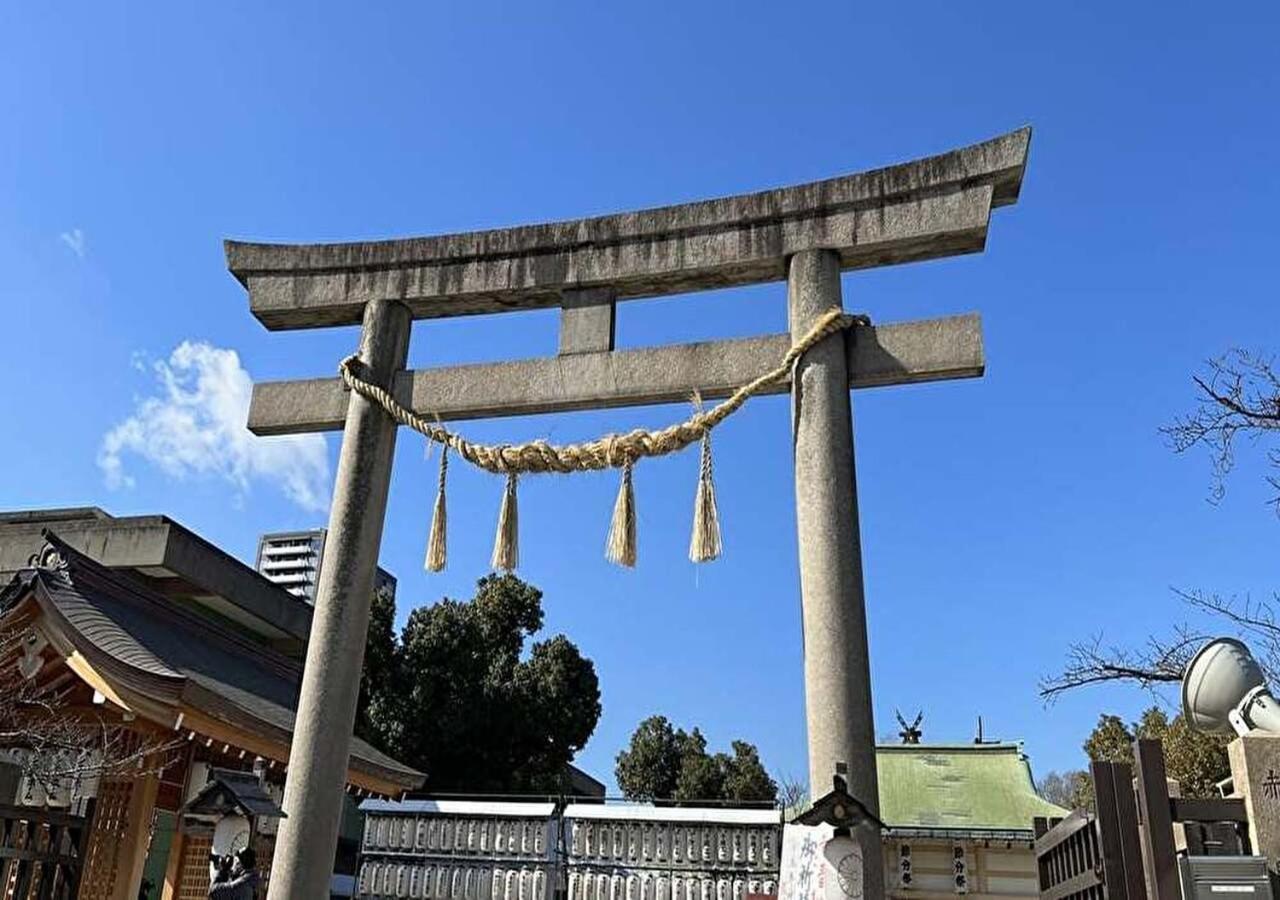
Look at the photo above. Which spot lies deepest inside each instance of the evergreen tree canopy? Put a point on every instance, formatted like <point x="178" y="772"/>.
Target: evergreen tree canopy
<point x="1197" y="761"/>
<point x="663" y="763"/>
<point x="454" y="697"/>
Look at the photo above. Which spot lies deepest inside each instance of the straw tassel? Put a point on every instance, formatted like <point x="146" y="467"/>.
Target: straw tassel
<point x="704" y="543"/>
<point x="620" y="547"/>
<point x="436" y="542"/>
<point x="506" y="544"/>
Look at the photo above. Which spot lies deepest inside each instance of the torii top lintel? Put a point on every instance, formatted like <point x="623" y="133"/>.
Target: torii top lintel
<point x="929" y="208"/>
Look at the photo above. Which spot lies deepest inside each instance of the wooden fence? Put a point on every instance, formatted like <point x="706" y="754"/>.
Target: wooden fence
<point x="40" y="853"/>
<point x="1094" y="857"/>
<point x="1069" y="859"/>
<point x="1106" y="856"/>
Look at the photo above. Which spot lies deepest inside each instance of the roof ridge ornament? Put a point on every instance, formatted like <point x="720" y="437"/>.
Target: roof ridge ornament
<point x="912" y="733"/>
<point x="49" y="558"/>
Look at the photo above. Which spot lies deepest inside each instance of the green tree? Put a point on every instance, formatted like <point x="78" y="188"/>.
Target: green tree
<point x="378" y="671"/>
<point x="745" y="777"/>
<point x="1110" y="741"/>
<point x="650" y="766"/>
<point x="1081" y="795"/>
<point x="663" y="763"/>
<point x="701" y="774"/>
<point x="1197" y="761"/>
<point x="461" y="704"/>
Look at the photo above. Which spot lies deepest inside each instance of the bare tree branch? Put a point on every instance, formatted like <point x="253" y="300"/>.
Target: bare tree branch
<point x="57" y="745"/>
<point x="1253" y="621"/>
<point x="1240" y="395"/>
<point x="793" y="793"/>
<point x="1161" y="661"/>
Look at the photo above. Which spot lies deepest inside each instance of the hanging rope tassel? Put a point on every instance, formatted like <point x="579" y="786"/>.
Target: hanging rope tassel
<point x="704" y="543"/>
<point x="436" y="542"/>
<point x="620" y="547"/>
<point x="506" y="544"/>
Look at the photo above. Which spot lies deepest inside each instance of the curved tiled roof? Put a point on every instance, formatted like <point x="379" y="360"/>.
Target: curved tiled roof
<point x="958" y="787"/>
<point x="111" y="630"/>
<point x="172" y="654"/>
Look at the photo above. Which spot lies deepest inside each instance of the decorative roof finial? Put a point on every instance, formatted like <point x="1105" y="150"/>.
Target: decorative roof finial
<point x="910" y="734"/>
<point x="49" y="558"/>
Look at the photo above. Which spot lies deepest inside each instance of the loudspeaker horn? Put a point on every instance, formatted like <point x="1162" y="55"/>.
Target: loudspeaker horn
<point x="1223" y="689"/>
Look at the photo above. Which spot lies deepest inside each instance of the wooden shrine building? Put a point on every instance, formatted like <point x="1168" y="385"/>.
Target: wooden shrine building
<point x="185" y="649"/>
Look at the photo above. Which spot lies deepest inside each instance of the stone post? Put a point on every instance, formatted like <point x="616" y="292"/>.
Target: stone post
<point x="314" y="787"/>
<point x="837" y="677"/>
<point x="1255" y="774"/>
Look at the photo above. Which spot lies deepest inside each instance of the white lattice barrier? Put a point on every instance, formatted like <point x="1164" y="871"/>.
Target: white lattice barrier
<point x="466" y="850"/>
<point x="646" y="853"/>
<point x="461" y="850"/>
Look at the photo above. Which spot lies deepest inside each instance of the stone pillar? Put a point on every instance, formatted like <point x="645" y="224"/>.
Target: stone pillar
<point x="314" y="787"/>
<point x="1255" y="775"/>
<point x="837" y="678"/>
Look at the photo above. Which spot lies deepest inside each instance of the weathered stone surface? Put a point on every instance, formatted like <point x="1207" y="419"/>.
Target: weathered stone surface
<point x="933" y="207"/>
<point x="837" y="674"/>
<point x="1255" y="772"/>
<point x="331" y="680"/>
<point x="587" y="321"/>
<point x="806" y="234"/>
<point x="930" y="350"/>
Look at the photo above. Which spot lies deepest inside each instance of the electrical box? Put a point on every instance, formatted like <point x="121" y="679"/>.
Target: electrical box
<point x="1224" y="877"/>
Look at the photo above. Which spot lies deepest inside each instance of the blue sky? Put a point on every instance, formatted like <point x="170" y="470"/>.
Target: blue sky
<point x="1001" y="518"/>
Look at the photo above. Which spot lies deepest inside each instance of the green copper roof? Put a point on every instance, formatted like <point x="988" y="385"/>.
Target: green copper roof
<point x="962" y="786"/>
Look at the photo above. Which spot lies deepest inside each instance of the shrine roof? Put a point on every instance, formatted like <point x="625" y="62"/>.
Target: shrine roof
<point x="960" y="787"/>
<point x="175" y="659"/>
<point x="170" y="560"/>
<point x="934" y="790"/>
<point x="229" y="791"/>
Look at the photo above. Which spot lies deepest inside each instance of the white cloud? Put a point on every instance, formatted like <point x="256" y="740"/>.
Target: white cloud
<point x="75" y="240"/>
<point x="195" y="426"/>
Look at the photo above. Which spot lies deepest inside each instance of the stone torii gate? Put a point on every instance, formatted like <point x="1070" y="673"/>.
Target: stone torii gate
<point x="805" y="234"/>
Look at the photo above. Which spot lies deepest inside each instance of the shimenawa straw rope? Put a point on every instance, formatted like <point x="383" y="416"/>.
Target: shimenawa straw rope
<point x="610" y="451"/>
